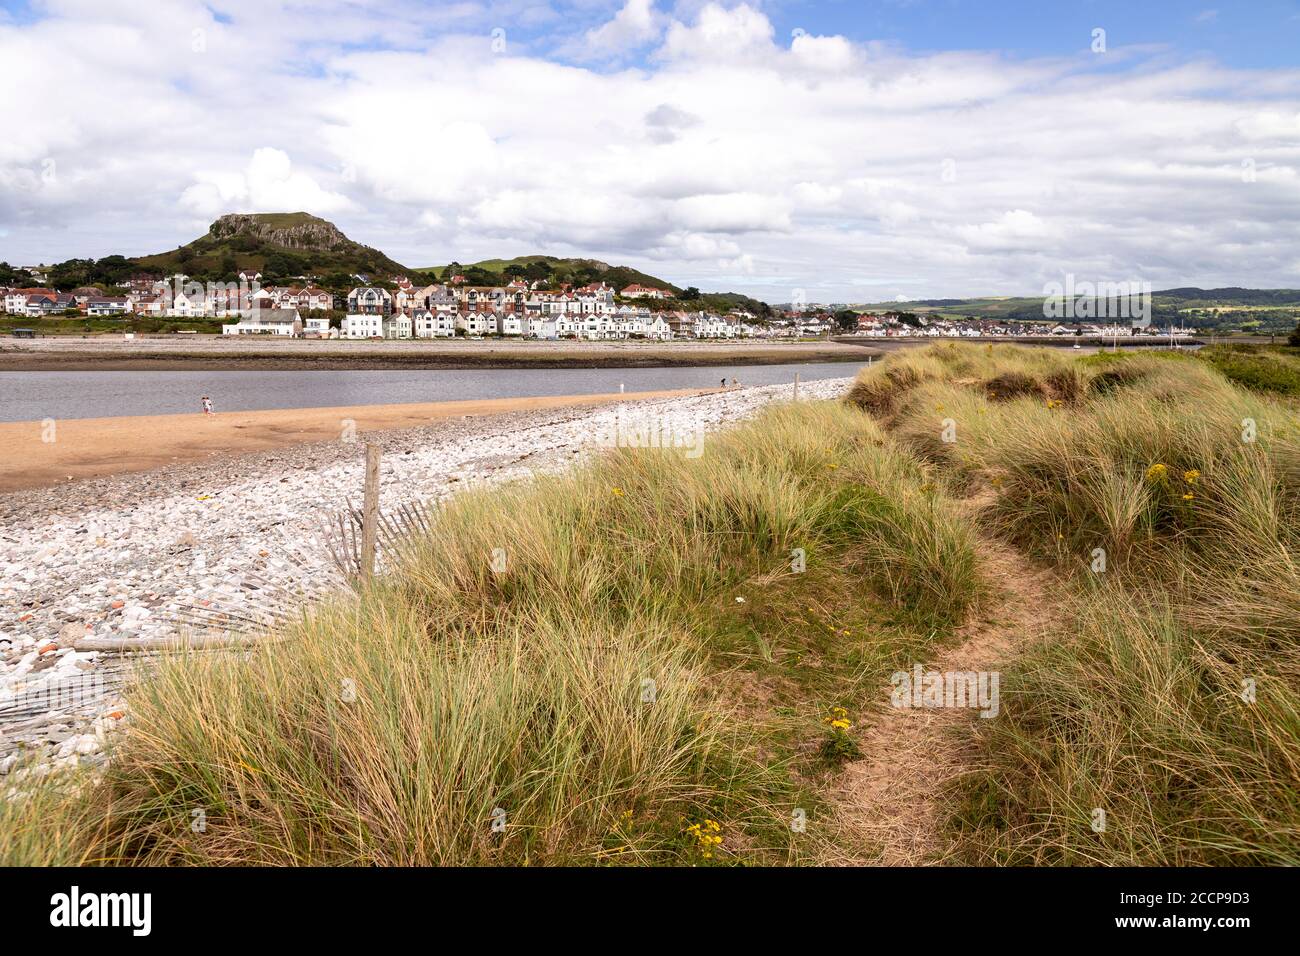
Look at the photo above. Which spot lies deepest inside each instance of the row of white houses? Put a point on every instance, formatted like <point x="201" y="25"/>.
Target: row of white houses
<point x="517" y="297"/>
<point x="428" y="324"/>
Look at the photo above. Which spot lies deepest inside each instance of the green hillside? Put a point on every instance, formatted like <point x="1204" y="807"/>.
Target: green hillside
<point x="279" y="245"/>
<point x="286" y="245"/>
<point x="556" y="271"/>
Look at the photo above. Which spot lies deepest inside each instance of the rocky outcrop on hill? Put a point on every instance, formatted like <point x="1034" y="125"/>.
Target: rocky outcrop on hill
<point x="296" y="232"/>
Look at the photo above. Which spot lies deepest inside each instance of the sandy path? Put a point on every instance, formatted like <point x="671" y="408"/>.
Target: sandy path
<point x="889" y="804"/>
<point x="95" y="447"/>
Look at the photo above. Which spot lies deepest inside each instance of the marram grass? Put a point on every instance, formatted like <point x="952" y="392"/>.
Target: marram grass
<point x="1161" y="723"/>
<point x="571" y="709"/>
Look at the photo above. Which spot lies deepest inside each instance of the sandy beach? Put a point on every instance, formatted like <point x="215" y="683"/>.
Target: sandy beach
<point x="97" y="447"/>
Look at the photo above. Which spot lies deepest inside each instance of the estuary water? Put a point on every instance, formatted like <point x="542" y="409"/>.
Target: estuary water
<point x="32" y="396"/>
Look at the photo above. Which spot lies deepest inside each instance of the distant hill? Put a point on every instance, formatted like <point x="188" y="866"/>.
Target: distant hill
<point x="276" y="244"/>
<point x="575" y="271"/>
<point x="583" y="271"/>
<point x="284" y="246"/>
<point x="1232" y="307"/>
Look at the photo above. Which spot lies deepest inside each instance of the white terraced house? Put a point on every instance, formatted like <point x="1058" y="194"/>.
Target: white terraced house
<point x="267" y="322"/>
<point x="595" y="327"/>
<point x="363" y="326"/>
<point x="476" y="323"/>
<point x="657" y="328"/>
<point x="433" y="325"/>
<point x="187" y="306"/>
<point x="16" y="300"/>
<point x="630" y="327"/>
<point x="597" y="299"/>
<point x="509" y="323"/>
<point x="310" y="298"/>
<point x="542" y="328"/>
<point x="555" y="327"/>
<point x="107" y="305"/>
<point x="319" y="326"/>
<point x="398" y="326"/>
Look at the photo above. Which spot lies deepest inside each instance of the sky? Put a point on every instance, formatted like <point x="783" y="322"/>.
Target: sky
<point x="831" y="150"/>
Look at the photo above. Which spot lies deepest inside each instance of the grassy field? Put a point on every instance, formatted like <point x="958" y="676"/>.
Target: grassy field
<point x="84" y="326"/>
<point x="684" y="657"/>
<point x="1260" y="368"/>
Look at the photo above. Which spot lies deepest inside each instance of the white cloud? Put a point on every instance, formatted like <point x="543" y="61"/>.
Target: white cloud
<point x="719" y="156"/>
<point x="720" y="34"/>
<point x="1013" y="230"/>
<point x="267" y="184"/>
<point x="823" y="53"/>
<point x="637" y="24"/>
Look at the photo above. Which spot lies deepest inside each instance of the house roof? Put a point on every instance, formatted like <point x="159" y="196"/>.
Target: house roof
<point x="275" y="315"/>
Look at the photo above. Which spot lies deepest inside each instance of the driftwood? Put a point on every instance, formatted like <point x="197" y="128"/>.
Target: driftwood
<point x="370" y="512"/>
<point x="197" y="642"/>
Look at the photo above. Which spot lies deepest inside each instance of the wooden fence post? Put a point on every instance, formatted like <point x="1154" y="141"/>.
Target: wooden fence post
<point x="796" y="386"/>
<point x="370" y="512"/>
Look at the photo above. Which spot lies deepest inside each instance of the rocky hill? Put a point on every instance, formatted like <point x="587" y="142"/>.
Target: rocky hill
<point x="279" y="245"/>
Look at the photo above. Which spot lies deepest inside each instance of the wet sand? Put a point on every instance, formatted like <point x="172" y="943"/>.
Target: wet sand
<point x="96" y="447"/>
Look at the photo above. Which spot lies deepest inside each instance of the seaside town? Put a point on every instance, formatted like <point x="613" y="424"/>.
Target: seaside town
<point x="518" y="309"/>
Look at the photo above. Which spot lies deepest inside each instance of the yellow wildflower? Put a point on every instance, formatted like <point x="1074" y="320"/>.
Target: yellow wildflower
<point x="838" y="719"/>
<point x="618" y="492"/>
<point x="1157" y="472"/>
<point x="1191" y="476"/>
<point x="706" y="836"/>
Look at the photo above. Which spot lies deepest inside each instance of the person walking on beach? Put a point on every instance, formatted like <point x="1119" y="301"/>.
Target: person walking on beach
<point x="724" y="382"/>
<point x="207" y="405"/>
